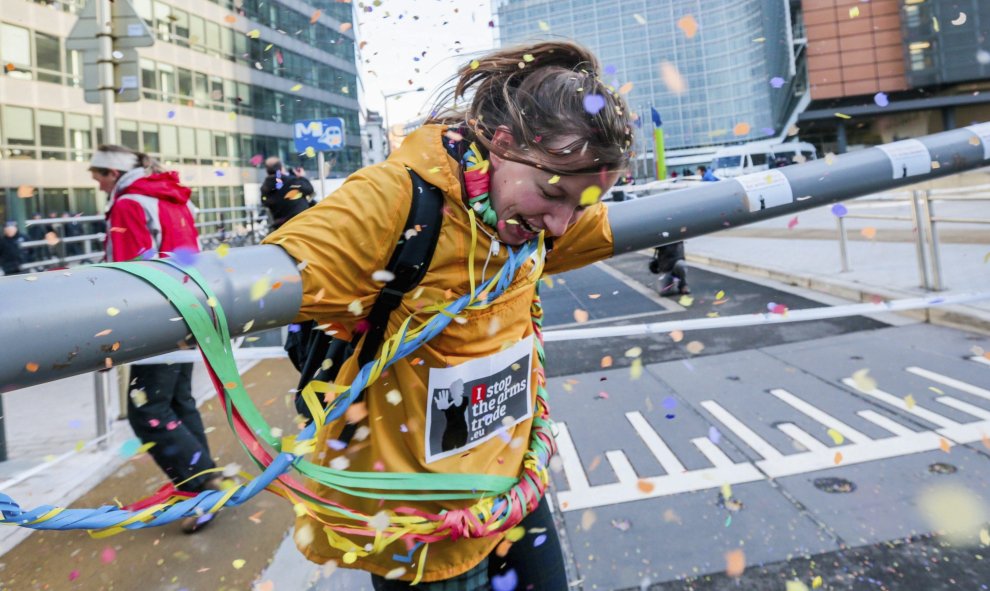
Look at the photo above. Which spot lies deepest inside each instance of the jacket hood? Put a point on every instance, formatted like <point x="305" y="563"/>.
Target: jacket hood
<point x="162" y="185"/>
<point x="418" y="152"/>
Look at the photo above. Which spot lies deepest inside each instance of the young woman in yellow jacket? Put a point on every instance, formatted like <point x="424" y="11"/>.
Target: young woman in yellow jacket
<point x="521" y="160"/>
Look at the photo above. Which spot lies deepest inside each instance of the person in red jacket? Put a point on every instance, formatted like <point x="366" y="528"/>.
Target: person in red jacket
<point x="149" y="216"/>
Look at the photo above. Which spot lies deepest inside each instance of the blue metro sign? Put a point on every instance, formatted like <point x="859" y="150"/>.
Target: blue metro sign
<point x="319" y="134"/>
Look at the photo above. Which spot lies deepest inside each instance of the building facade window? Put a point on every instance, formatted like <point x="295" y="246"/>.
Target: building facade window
<point x="51" y="131"/>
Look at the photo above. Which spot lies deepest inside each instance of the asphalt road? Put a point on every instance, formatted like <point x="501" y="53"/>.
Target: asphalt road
<point x="732" y="448"/>
<point x="754" y="447"/>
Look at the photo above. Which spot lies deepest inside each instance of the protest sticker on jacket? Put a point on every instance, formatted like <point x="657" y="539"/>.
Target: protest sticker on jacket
<point x="474" y="401"/>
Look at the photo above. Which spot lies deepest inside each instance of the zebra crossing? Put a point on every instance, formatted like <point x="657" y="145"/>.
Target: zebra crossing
<point x="854" y="446"/>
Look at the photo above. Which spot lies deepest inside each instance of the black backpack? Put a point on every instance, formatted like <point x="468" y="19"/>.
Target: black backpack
<point x="309" y="348"/>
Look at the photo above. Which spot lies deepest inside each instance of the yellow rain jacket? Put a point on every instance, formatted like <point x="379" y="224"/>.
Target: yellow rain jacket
<point x="346" y="238"/>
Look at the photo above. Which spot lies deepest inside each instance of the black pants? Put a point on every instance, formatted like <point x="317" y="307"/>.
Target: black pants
<point x="536" y="562"/>
<point x="674" y="280"/>
<point x="169" y="418"/>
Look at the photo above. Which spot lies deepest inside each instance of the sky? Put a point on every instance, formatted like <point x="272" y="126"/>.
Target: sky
<point x="417" y="41"/>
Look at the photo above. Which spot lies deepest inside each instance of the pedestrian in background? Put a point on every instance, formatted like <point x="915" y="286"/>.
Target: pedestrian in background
<point x="37" y="232"/>
<point x="11" y="254"/>
<point x="668" y="260"/>
<point x="71" y="229"/>
<point x="150" y="215"/>
<point x="285" y="194"/>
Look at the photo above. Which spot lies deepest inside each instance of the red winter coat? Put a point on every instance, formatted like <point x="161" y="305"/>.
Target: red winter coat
<point x="150" y="215"/>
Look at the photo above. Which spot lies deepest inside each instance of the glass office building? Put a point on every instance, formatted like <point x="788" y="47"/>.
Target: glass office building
<point x="717" y="71"/>
<point x="219" y="90"/>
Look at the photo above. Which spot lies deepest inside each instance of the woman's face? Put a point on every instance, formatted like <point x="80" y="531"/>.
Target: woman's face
<point x="526" y="200"/>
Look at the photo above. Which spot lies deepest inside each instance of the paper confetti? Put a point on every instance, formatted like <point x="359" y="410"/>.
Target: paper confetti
<point x="672" y="78"/>
<point x="260" y="288"/>
<point x="959" y="20"/>
<point x="836" y="436"/>
<point x="688" y="26"/>
<point x="863" y="382"/>
<point x="740" y="129"/>
<point x="580" y="315"/>
<point x="590" y="195"/>
<point x="954" y="511"/>
<point x="594" y="103"/>
<point x="881" y="99"/>
<point x="735" y="563"/>
<point x="869" y="232"/>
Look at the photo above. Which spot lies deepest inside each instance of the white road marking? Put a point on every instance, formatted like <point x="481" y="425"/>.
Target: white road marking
<point x="858" y="448"/>
<point x="621" y="466"/>
<point x="573" y="470"/>
<point x="980" y="359"/>
<point x="950" y="382"/>
<point x="917" y="410"/>
<point x="885" y="423"/>
<point x="711" y="451"/>
<point x="802" y="437"/>
<point x="609" y="320"/>
<point x="964" y="407"/>
<point x="743" y="432"/>
<point x="659" y="449"/>
<point x="666" y="303"/>
<point x="828" y="420"/>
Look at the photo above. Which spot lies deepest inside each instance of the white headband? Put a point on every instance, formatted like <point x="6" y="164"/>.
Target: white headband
<point x="123" y="161"/>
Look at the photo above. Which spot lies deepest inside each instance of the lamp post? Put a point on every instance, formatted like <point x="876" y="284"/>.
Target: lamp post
<point x="388" y="129"/>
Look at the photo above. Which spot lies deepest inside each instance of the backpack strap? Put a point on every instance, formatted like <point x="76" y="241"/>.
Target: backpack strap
<point x="409" y="263"/>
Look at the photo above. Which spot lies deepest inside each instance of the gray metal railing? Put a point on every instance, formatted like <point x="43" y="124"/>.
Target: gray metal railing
<point x="237" y="226"/>
<point x="925" y="224"/>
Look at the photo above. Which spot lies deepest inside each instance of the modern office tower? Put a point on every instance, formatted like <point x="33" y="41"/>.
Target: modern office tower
<point x="894" y="69"/>
<point x="717" y="71"/>
<point x="220" y="88"/>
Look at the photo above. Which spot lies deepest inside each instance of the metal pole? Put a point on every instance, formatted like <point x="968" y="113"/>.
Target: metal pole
<point x="919" y="241"/>
<point x="78" y="336"/>
<point x="928" y="213"/>
<point x="843" y="252"/>
<point x="104" y="65"/>
<point x="102" y="389"/>
<point x="323" y="182"/>
<point x="711" y="207"/>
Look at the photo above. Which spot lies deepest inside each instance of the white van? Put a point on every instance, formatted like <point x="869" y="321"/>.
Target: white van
<point x="743" y="159"/>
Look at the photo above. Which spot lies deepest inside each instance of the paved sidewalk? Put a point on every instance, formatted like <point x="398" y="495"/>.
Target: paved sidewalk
<point x="807" y="254"/>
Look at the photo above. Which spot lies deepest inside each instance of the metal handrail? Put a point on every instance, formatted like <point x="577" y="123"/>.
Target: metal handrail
<point x="926" y="231"/>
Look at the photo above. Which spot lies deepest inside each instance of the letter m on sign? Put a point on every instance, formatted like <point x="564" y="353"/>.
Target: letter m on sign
<point x="312" y="129"/>
<point x="478" y="393"/>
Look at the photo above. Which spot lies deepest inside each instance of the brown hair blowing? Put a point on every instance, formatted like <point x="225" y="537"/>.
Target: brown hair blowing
<point x="537" y="91"/>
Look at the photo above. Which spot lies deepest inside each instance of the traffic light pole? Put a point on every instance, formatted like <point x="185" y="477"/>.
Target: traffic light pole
<point x="71" y="322"/>
<point x="104" y="63"/>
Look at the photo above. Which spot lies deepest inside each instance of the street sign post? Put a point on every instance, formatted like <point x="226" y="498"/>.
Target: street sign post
<point x="126" y="76"/>
<point x="319" y="135"/>
<point x="107" y="34"/>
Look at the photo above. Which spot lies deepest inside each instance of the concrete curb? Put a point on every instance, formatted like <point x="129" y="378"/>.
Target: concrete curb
<point x="960" y="317"/>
